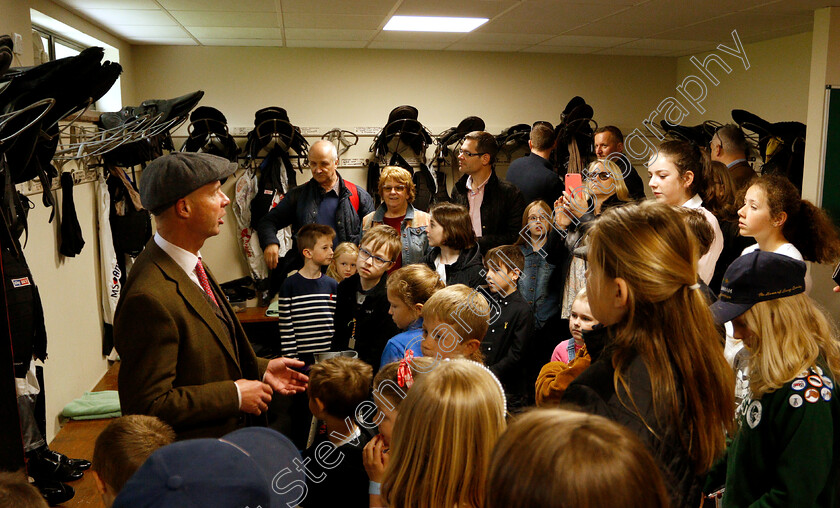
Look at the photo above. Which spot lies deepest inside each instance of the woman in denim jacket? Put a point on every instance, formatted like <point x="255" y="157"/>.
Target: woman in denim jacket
<point x="397" y="191"/>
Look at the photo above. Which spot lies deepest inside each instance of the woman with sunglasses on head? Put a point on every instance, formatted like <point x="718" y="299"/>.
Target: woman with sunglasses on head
<point x="397" y="191"/>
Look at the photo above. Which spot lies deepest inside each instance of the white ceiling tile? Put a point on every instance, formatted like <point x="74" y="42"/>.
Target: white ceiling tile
<point x="446" y="37"/>
<point x="587" y="40"/>
<point x="161" y="32"/>
<point x="242" y="42"/>
<point x="346" y="22"/>
<point x="137" y="17"/>
<point x="219" y="5"/>
<point x="559" y="49"/>
<point x="461" y="8"/>
<point x="381" y="7"/>
<point x="220" y="18"/>
<point x="326" y="34"/>
<point x="669" y="45"/>
<point x="422" y="46"/>
<point x="167" y="41"/>
<point x="611" y="29"/>
<point x="549" y="17"/>
<point x="469" y="46"/>
<point x="497" y="38"/>
<point x="325" y="44"/>
<point x="219" y="32"/>
<point x="109" y="4"/>
<point x="631" y="51"/>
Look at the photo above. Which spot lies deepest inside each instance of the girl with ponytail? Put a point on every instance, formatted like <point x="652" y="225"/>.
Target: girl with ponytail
<point x="678" y="176"/>
<point x="656" y="367"/>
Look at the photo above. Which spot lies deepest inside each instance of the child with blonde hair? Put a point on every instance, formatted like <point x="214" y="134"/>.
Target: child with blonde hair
<point x="530" y="465"/>
<point x="343" y="262"/>
<point x="448" y="424"/>
<point x="580" y="321"/>
<point x="408" y="289"/>
<point x="784" y="452"/>
<point x="361" y="310"/>
<point x="455" y="320"/>
<point x="390" y="387"/>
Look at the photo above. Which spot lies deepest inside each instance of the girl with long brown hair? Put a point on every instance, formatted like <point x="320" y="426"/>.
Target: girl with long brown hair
<point x="656" y="367"/>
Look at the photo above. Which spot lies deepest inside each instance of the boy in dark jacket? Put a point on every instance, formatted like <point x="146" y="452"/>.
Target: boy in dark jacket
<point x="335" y="470"/>
<point x="509" y="333"/>
<point x="362" y="322"/>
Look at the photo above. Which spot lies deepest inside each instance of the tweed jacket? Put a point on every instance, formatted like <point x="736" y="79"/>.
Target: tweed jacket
<point x="178" y="361"/>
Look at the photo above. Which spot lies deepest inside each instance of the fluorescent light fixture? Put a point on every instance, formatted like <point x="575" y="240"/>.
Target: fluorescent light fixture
<point x="433" y="24"/>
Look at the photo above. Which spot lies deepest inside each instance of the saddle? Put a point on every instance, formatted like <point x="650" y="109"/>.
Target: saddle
<point x="157" y="117"/>
<point x="404" y="126"/>
<point x="781" y="145"/>
<point x="699" y="134"/>
<point x="514" y="137"/>
<point x="573" y="146"/>
<point x="208" y="132"/>
<point x="272" y="126"/>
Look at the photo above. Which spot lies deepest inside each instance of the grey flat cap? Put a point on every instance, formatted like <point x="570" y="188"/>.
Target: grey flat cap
<point x="171" y="177"/>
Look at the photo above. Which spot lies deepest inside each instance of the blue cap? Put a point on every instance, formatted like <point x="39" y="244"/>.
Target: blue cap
<point x="244" y="468"/>
<point x="757" y="277"/>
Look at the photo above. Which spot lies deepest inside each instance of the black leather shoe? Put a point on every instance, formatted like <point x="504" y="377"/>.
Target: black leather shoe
<point x="55" y="492"/>
<point x="77" y="464"/>
<point x="43" y="468"/>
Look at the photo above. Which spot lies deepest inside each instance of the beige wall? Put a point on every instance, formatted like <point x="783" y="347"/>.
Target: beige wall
<point x="352" y="88"/>
<point x="775" y="87"/>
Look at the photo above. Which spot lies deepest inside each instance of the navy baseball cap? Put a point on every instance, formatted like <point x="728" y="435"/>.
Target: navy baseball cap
<point x="757" y="277"/>
<point x="247" y="467"/>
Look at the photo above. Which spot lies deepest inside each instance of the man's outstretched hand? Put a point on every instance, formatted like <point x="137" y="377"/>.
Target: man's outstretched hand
<point x="283" y="379"/>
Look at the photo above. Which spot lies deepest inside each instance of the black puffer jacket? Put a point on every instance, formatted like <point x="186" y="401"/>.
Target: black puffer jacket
<point x="300" y="207"/>
<point x="501" y="211"/>
<point x="467" y="269"/>
<point x="594" y="392"/>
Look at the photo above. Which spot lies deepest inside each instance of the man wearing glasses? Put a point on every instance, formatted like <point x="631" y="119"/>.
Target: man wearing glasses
<point x="495" y="206"/>
<point x="325" y="199"/>
<point x="729" y="146"/>
<point x="533" y="174"/>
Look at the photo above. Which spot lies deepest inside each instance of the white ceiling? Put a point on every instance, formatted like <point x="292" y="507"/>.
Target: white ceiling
<point x="612" y="27"/>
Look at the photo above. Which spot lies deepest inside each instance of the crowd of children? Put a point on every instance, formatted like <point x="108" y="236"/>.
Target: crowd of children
<point x="426" y="413"/>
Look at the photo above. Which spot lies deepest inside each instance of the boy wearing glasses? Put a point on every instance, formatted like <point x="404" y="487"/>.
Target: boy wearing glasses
<point x="362" y="322"/>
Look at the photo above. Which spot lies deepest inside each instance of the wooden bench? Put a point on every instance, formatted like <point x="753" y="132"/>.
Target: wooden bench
<point x="76" y="439"/>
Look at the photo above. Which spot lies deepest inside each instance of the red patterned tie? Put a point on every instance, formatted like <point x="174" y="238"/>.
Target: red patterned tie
<point x="202" y="279"/>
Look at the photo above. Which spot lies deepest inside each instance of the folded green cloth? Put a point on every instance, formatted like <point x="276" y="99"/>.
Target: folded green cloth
<point x="273" y="309"/>
<point x="93" y="406"/>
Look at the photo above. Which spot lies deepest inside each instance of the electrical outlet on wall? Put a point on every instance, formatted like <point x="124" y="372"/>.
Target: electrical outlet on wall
<point x="18" y="44"/>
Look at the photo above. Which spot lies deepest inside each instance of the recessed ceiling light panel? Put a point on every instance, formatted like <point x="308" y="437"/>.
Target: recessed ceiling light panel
<point x="433" y="24"/>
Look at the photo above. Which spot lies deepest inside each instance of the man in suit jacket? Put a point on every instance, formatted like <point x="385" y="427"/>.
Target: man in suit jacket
<point x="729" y="146"/>
<point x="533" y="174"/>
<point x="184" y="355"/>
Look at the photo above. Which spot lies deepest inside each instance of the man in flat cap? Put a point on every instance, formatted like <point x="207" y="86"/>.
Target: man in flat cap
<point x="184" y="355"/>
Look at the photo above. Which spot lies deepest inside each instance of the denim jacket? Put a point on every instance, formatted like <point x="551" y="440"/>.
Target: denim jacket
<point x="533" y="284"/>
<point x="415" y="243"/>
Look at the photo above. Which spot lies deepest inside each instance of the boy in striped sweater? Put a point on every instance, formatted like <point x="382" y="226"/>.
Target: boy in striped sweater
<point x="307" y="298"/>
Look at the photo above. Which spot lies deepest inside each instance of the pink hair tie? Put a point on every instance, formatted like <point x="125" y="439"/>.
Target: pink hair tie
<point x="404" y="376"/>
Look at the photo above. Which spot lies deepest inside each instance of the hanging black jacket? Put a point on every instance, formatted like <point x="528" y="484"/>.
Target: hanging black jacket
<point x="300" y="207"/>
<point x="594" y="391"/>
<point x="501" y="210"/>
<point x="467" y="269"/>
